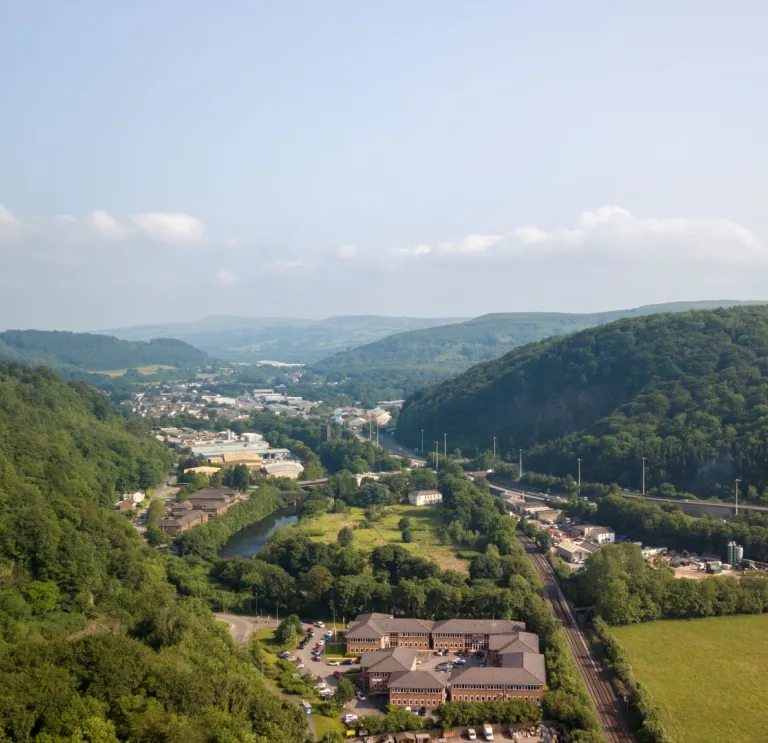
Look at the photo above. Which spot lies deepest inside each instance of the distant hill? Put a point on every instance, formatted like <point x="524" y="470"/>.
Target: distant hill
<point x="406" y="361"/>
<point x="688" y="391"/>
<point x="66" y="351"/>
<point x="290" y="340"/>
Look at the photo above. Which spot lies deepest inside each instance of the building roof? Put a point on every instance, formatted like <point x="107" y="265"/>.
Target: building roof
<point x="425" y="492"/>
<point x="389" y="661"/>
<point x="214" y="494"/>
<point x="531" y="671"/>
<point x="478" y="626"/>
<point x="601" y="530"/>
<point x="569" y="545"/>
<point x="184" y="505"/>
<point x="276" y="468"/>
<point x="185" y="518"/>
<point x="417" y="680"/>
<point x="378" y="625"/>
<point x="525" y="642"/>
<point x="125" y="505"/>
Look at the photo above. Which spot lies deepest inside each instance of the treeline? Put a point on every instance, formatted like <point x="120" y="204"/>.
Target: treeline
<point x="206" y="540"/>
<point x="670" y="527"/>
<point x="644" y="713"/>
<point x="89" y="351"/>
<point x="624" y="589"/>
<point x="687" y="391"/>
<point x="95" y="644"/>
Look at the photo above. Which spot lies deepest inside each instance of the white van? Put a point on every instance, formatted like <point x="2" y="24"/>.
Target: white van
<point x="488" y="732"/>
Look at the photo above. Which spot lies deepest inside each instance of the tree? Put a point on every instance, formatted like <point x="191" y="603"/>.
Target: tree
<point x="345" y="692"/>
<point x="289" y="630"/>
<point x="318" y="582"/>
<point x="407" y="536"/>
<point x="332" y="736"/>
<point x="345" y="537"/>
<point x="404" y="523"/>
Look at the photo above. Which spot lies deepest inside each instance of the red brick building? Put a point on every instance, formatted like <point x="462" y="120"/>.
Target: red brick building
<point x="501" y="646"/>
<point x="381" y="631"/>
<point x="379" y="665"/>
<point x="417" y="689"/>
<point x="525" y="677"/>
<point x="471" y="634"/>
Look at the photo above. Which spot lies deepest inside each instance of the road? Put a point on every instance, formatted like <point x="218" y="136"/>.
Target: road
<point x="596" y="679"/>
<point x="387" y="441"/>
<point x="242" y="627"/>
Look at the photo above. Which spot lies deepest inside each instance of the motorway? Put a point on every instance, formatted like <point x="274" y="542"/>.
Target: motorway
<point x="596" y="679"/>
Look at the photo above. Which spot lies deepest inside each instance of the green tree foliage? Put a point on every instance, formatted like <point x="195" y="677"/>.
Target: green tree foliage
<point x="345" y="537"/>
<point x="513" y="712"/>
<point x="289" y="630"/>
<point x="95" y="644"/>
<point x="345" y="691"/>
<point x="401" y="364"/>
<point x="87" y="351"/>
<point x="688" y="391"/>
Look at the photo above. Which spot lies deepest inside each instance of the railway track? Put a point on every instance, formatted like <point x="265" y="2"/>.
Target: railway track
<point x="597" y="681"/>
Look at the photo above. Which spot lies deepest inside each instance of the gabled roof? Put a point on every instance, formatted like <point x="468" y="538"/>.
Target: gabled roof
<point x="531" y="671"/>
<point x="221" y="494"/>
<point x="389" y="661"/>
<point x="523" y="642"/>
<point x="478" y="626"/>
<point x="417" y="680"/>
<point x="378" y="625"/>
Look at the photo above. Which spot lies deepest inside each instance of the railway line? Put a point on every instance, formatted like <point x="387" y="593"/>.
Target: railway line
<point x="597" y="681"/>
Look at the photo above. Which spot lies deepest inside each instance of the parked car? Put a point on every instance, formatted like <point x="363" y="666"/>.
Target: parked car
<point x="319" y="624"/>
<point x="337" y="674"/>
<point x="459" y="662"/>
<point x="283" y="654"/>
<point x="299" y="665"/>
<point x="361" y="697"/>
<point x="334" y="663"/>
<point x="471" y="734"/>
<point x="347" y="662"/>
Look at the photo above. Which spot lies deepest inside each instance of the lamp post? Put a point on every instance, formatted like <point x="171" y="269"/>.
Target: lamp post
<point x="445" y="446"/>
<point x="437" y="457"/>
<point x="579" y="461"/>
<point x="738" y="480"/>
<point x="494" y="447"/>
<point x="422" y="440"/>
<point x="644" y="460"/>
<point x="520" y="467"/>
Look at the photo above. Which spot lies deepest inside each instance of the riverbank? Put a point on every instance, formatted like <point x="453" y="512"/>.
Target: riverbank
<point x="247" y="542"/>
<point x="206" y="540"/>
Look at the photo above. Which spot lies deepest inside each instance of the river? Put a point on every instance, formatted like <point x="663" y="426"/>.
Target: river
<point x="247" y="542"/>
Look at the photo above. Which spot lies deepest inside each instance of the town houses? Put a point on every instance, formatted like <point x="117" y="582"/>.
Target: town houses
<point x="391" y="648"/>
<point x="197" y="509"/>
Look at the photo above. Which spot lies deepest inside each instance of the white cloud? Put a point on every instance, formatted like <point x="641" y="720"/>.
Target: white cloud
<point x="614" y="230"/>
<point x="170" y="227"/>
<point x="106" y="225"/>
<point x="225" y="277"/>
<point x="414" y="252"/>
<point x="284" y="266"/>
<point x="347" y="251"/>
<point x="7" y="219"/>
<point x="471" y="244"/>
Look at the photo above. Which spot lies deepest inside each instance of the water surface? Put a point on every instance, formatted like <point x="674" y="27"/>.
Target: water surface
<point x="247" y="542"/>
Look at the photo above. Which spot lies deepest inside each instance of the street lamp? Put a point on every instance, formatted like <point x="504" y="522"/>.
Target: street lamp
<point x="445" y="446"/>
<point x="422" y="440"/>
<point x="494" y="447"/>
<point x="437" y="457"/>
<point x="738" y="480"/>
<point x="644" y="460"/>
<point x="520" y="467"/>
<point x="579" y="461"/>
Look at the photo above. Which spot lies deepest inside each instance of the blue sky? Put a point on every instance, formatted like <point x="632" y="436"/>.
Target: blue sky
<point x="422" y="157"/>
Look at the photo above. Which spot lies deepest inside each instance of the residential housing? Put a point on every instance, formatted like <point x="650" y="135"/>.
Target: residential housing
<point x="135" y="498"/>
<point x="213" y="501"/>
<point x="197" y="510"/>
<point x="424" y="497"/>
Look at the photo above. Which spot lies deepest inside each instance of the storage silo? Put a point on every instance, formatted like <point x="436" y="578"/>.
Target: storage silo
<point x="730" y="553"/>
<point x="738" y="553"/>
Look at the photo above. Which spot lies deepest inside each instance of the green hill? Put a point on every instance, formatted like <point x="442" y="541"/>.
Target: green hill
<point x="94" y="643"/>
<point x="290" y="340"/>
<point x="88" y="352"/>
<point x="688" y="391"/>
<point x="402" y="363"/>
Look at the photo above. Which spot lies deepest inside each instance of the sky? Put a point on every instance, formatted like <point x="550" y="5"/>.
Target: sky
<point x="165" y="160"/>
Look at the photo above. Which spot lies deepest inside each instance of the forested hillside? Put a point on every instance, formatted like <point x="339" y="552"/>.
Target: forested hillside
<point x="402" y="363"/>
<point x="688" y="391"/>
<point x="88" y="352"/>
<point x="94" y="643"/>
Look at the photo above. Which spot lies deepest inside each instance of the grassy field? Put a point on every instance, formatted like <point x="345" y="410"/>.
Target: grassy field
<point x="710" y="676"/>
<point x="328" y="724"/>
<point x="151" y="369"/>
<point x="424" y="525"/>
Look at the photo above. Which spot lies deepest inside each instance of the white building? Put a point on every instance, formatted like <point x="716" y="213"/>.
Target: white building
<point x="134" y="498"/>
<point x="599" y="534"/>
<point x="291" y="470"/>
<point x="425" y="497"/>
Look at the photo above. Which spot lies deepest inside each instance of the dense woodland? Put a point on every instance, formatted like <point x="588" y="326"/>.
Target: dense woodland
<point x="401" y="364"/>
<point x="95" y="643"/>
<point x="89" y="352"/>
<point x="687" y="391"/>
